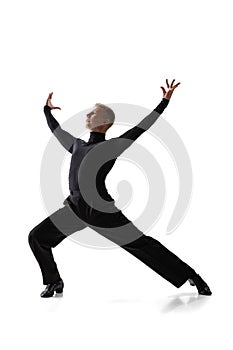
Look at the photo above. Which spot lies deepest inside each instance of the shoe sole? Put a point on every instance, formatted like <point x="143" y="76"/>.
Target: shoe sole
<point x="57" y="290"/>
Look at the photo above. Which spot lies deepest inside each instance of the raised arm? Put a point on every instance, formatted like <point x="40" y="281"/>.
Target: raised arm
<point x="150" y="119"/>
<point x="65" y="138"/>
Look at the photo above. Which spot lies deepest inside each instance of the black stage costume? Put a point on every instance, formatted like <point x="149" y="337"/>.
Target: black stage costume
<point x="76" y="214"/>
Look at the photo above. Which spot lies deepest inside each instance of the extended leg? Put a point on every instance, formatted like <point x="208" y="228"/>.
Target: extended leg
<point x="160" y="259"/>
<point x="147" y="249"/>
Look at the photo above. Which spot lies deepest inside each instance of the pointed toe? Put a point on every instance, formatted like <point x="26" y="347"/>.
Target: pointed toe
<point x="202" y="287"/>
<point x="205" y="291"/>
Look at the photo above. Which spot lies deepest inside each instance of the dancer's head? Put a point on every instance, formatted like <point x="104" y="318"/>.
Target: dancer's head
<point x="101" y="118"/>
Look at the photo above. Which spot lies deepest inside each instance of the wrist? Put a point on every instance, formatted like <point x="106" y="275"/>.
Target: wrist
<point x="48" y="107"/>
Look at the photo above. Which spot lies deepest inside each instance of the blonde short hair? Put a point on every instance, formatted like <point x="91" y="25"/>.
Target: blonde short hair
<point x="108" y="112"/>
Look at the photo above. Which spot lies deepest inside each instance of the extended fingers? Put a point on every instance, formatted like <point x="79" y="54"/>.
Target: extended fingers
<point x="176" y="85"/>
<point x="164" y="91"/>
<point x="50" y="95"/>
<point x="172" y="82"/>
<point x="171" y="86"/>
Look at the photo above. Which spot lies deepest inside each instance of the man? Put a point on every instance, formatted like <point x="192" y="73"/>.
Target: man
<point x="90" y="205"/>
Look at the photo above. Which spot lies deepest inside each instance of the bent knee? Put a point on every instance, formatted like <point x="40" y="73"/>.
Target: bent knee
<point x="33" y="235"/>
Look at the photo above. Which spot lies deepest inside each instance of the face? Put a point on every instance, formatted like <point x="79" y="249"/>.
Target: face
<point x="95" y="118"/>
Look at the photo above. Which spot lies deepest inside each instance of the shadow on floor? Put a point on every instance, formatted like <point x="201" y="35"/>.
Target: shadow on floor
<point x="185" y="301"/>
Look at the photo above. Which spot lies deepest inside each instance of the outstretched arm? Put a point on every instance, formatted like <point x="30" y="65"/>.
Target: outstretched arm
<point x="65" y="138"/>
<point x="150" y="119"/>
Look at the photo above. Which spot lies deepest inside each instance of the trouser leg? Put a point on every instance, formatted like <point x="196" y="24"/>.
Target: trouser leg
<point x="152" y="253"/>
<point x="48" y="234"/>
<point x="148" y="250"/>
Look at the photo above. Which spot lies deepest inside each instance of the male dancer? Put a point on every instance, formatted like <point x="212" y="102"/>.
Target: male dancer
<point x="89" y="203"/>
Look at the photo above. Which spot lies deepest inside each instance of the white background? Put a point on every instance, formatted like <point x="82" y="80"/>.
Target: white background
<point x="111" y="52"/>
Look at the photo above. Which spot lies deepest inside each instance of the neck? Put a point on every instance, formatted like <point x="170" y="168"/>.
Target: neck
<point x="99" y="132"/>
<point x="98" y="129"/>
<point x="96" y="136"/>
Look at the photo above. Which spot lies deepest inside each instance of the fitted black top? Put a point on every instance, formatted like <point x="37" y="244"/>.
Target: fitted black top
<point x="80" y="148"/>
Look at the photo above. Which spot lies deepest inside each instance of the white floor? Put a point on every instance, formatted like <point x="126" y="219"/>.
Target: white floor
<point x="113" y="301"/>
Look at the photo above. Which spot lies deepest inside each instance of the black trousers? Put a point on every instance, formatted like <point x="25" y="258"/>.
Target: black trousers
<point x="115" y="227"/>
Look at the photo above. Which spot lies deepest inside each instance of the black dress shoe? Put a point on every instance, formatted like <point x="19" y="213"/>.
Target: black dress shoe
<point x="201" y="285"/>
<point x="51" y="288"/>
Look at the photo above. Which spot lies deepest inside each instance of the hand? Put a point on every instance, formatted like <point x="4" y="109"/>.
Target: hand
<point x="49" y="103"/>
<point x="171" y="88"/>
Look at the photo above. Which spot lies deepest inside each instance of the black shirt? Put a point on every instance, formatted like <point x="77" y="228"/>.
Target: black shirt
<point x="80" y="148"/>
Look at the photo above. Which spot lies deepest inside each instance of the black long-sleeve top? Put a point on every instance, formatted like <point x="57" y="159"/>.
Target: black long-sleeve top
<point x="79" y="149"/>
